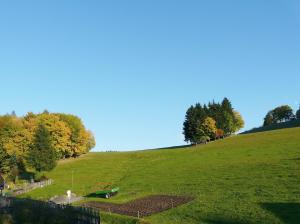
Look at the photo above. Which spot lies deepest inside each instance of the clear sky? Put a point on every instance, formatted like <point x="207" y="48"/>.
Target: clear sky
<point x="130" y="69"/>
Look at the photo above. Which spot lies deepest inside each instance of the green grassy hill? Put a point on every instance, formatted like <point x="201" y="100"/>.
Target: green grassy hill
<point x="253" y="178"/>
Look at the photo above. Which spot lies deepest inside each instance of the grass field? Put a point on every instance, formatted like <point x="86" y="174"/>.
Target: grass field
<point x="253" y="178"/>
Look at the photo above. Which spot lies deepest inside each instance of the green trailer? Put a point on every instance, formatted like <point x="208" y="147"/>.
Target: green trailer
<point x="107" y="193"/>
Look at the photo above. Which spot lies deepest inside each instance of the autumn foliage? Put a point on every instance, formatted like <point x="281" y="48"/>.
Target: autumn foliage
<point x="66" y="135"/>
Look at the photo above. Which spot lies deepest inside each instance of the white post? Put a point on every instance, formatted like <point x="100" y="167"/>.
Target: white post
<point x="69" y="194"/>
<point x="72" y="179"/>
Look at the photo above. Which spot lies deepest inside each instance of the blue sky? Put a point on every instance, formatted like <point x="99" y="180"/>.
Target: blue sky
<point x="130" y="69"/>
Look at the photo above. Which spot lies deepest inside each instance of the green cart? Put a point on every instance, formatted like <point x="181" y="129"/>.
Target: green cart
<point x="107" y="193"/>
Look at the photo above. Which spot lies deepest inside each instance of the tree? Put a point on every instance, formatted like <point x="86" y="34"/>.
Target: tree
<point x="200" y="136"/>
<point x="219" y="133"/>
<point x="283" y="113"/>
<point x="298" y="114"/>
<point x="269" y="119"/>
<point x="279" y="114"/>
<point x="209" y="127"/>
<point x="42" y="155"/>
<point x="5" y="161"/>
<point x="238" y="121"/>
<point x="60" y="134"/>
<point x="91" y="142"/>
<point x="82" y="141"/>
<point x="225" y="119"/>
<point x="190" y="124"/>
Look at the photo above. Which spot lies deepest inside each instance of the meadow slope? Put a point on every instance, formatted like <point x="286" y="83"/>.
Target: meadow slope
<point x="251" y="178"/>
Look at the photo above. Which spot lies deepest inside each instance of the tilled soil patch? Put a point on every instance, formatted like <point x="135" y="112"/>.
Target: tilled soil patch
<point x="142" y="207"/>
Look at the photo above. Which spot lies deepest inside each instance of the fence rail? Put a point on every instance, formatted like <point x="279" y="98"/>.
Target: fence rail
<point x="32" y="186"/>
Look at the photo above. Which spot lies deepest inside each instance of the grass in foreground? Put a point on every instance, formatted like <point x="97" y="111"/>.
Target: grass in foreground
<point x="250" y="178"/>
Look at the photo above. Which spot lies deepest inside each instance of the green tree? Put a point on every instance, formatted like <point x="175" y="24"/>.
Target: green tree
<point x="298" y="114"/>
<point x="189" y="129"/>
<point x="5" y="161"/>
<point x="200" y="136"/>
<point x="283" y="113"/>
<point x="42" y="155"/>
<point x="269" y="119"/>
<point x="279" y="114"/>
<point x="226" y="119"/>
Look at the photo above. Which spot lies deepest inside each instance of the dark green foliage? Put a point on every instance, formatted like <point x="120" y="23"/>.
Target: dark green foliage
<point x="288" y="124"/>
<point x="42" y="155"/>
<point x="5" y="161"/>
<point x="222" y="113"/>
<point x="268" y="119"/>
<point x="279" y="114"/>
<point x="298" y="114"/>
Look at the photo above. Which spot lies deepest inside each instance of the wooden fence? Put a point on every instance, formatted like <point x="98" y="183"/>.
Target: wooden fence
<point x="31" y="211"/>
<point x="29" y="187"/>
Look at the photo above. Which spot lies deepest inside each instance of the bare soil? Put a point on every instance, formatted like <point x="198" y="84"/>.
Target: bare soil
<point x="141" y="207"/>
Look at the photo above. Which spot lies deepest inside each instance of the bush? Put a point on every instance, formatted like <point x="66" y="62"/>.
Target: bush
<point x="219" y="133"/>
<point x="40" y="177"/>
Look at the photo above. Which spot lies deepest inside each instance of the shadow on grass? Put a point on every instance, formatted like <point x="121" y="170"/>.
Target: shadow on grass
<point x="288" y="213"/>
<point x="94" y="195"/>
<point x="172" y="147"/>
<point x="295" y="159"/>
<point x="219" y="220"/>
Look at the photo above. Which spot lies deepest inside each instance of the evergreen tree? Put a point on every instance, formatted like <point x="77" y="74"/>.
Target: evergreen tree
<point x="227" y="121"/>
<point x="188" y="126"/>
<point x="298" y="114"/>
<point x="42" y="155"/>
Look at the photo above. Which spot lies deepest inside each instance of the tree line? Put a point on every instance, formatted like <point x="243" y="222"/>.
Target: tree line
<point x="280" y="114"/>
<point x="39" y="140"/>
<point x="209" y="122"/>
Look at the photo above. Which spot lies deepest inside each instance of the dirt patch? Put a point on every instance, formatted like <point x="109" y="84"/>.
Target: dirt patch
<point x="142" y="207"/>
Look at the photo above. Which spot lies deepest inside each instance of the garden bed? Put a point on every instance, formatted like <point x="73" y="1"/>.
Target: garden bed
<point x="141" y="207"/>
